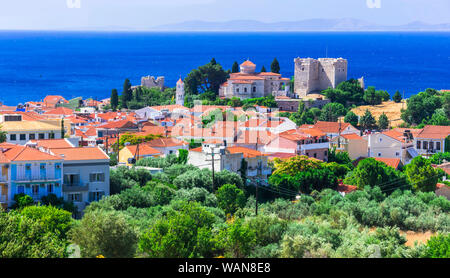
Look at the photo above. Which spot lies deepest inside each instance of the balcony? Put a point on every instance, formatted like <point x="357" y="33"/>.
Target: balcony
<point x="35" y="178"/>
<point x="314" y="146"/>
<point x="75" y="187"/>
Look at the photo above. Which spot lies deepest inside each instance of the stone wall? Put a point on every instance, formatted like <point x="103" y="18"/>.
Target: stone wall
<point x="151" y="82"/>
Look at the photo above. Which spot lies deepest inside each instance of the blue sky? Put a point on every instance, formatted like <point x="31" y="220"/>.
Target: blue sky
<point x="141" y="14"/>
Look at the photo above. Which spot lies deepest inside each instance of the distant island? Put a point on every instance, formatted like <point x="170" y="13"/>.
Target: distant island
<point x="345" y="24"/>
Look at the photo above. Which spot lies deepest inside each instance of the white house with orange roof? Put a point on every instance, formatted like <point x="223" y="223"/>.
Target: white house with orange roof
<point x="301" y="141"/>
<point x="391" y="144"/>
<point x="250" y="84"/>
<point x="51" y="101"/>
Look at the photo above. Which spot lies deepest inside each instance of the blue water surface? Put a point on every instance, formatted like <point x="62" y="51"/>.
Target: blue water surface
<point x="91" y="64"/>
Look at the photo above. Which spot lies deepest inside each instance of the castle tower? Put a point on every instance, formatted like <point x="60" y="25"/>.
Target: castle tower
<point x="313" y="75"/>
<point x="180" y="92"/>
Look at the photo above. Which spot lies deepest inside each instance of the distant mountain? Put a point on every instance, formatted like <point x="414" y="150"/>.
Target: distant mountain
<point x="344" y="24"/>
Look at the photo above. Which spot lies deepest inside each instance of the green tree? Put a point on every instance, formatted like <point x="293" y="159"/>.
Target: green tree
<point x="263" y="69"/>
<point x="332" y="111"/>
<point x="230" y="198"/>
<point x="25" y="237"/>
<point x="421" y="106"/>
<point x="183" y="233"/>
<point x="235" y="67"/>
<point x="383" y="121"/>
<point x="114" y="99"/>
<point x="126" y="93"/>
<point x="421" y="174"/>
<point x="238" y="239"/>
<point x="54" y="220"/>
<point x="439" y="246"/>
<point x="183" y="156"/>
<point x="275" y="66"/>
<point x="375" y="173"/>
<point x="367" y="121"/>
<point x="337" y="95"/>
<point x="3" y="135"/>
<point x="106" y="233"/>
<point x="371" y="96"/>
<point x="353" y="91"/>
<point x="351" y="118"/>
<point x="22" y="200"/>
<point x="397" y="97"/>
<point x="208" y="77"/>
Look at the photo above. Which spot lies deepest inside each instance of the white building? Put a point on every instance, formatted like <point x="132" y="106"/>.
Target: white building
<point x="250" y="84"/>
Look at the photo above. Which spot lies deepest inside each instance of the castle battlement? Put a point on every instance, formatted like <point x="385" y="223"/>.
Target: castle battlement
<point x="315" y="75"/>
<point x="151" y="82"/>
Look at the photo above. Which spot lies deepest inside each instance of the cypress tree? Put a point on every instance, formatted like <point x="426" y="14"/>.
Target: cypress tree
<point x="114" y="99"/>
<point x="263" y="69"/>
<point x="235" y="67"/>
<point x="275" y="66"/>
<point x="213" y="61"/>
<point x="383" y="121"/>
<point x="127" y="93"/>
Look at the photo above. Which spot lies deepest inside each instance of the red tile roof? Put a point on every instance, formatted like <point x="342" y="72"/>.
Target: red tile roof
<point x="60" y="111"/>
<point x="246" y="152"/>
<point x="331" y="127"/>
<point x="13" y="152"/>
<point x="52" y="143"/>
<point x="248" y="63"/>
<point x="434" y="132"/>
<point x="392" y="162"/>
<point x="81" y="153"/>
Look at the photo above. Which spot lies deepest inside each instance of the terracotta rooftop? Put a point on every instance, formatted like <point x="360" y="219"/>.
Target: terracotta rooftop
<point x="331" y="127"/>
<point x="53" y="143"/>
<point x="11" y="152"/>
<point x="143" y="150"/>
<point x="246" y="152"/>
<point x="392" y="162"/>
<point x="434" y="132"/>
<point x="81" y="153"/>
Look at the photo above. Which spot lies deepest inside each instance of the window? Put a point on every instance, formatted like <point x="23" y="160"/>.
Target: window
<point x="23" y="137"/>
<point x="50" y="188"/>
<point x="41" y="135"/>
<point x="32" y="136"/>
<point x="431" y="145"/>
<point x="170" y="152"/>
<point x="28" y="167"/>
<point x="254" y="89"/>
<point x="397" y="153"/>
<point x="325" y="153"/>
<point x="13" y="137"/>
<point x="379" y="154"/>
<point x="315" y="155"/>
<point x="380" y="139"/>
<point x="418" y="145"/>
<point x="51" y="135"/>
<point x="97" y="177"/>
<point x="74" y="197"/>
<point x="42" y="166"/>
<point x="237" y="90"/>
<point x="438" y="146"/>
<point x="425" y="145"/>
<point x="13" y="118"/>
<point x="245" y="90"/>
<point x="96" y="196"/>
<point x="20" y="189"/>
<point x="35" y="189"/>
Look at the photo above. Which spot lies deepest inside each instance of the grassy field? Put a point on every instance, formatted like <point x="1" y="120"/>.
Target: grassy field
<point x="390" y="108"/>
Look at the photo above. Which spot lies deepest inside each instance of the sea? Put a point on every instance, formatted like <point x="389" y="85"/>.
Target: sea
<point x="34" y="64"/>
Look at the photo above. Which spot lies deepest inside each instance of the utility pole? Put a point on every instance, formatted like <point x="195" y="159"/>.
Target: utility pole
<point x="118" y="139"/>
<point x="212" y="154"/>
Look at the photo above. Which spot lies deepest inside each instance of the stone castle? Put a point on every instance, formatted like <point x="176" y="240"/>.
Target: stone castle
<point x="151" y="82"/>
<point x="313" y="76"/>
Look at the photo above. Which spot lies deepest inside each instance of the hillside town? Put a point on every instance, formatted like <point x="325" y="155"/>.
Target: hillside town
<point x="69" y="148"/>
